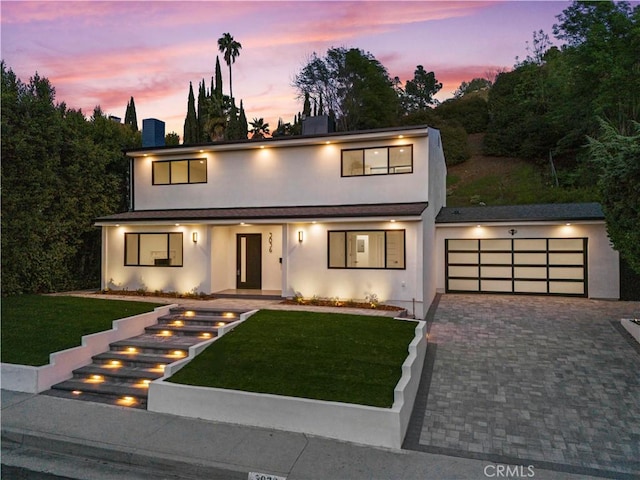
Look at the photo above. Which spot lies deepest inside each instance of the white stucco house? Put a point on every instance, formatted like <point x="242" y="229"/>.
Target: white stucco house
<point x="336" y="215"/>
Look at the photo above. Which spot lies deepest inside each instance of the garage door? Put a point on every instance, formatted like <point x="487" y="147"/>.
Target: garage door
<point x="554" y="266"/>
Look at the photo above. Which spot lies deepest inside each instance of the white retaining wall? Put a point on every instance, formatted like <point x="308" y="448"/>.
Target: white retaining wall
<point x="29" y="379"/>
<point x="354" y="423"/>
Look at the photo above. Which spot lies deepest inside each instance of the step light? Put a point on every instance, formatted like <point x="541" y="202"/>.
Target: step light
<point x="205" y="335"/>
<point x="131" y="350"/>
<point x="221" y="324"/>
<point x="77" y="392"/>
<point x="177" y="354"/>
<point x="114" y="364"/>
<point x="126" y="401"/>
<point x="189" y="313"/>
<point x="178" y="323"/>
<point x="165" y="333"/>
<point x="95" y="379"/>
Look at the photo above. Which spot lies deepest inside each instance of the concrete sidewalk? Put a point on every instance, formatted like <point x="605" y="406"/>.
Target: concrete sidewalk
<point x="87" y="440"/>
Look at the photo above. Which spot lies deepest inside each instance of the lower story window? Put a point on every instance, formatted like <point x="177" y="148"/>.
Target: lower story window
<point x="382" y="249"/>
<point x="153" y="249"/>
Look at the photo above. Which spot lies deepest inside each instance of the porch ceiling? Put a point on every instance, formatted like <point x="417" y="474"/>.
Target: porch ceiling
<point x="391" y="210"/>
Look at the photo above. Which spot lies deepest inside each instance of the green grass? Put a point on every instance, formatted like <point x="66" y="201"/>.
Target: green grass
<point x="336" y="357"/>
<point x="34" y="326"/>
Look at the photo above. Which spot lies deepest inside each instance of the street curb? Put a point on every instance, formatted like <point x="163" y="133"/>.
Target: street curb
<point x="114" y="454"/>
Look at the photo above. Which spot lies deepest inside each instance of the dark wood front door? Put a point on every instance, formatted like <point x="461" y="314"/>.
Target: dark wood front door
<point x="249" y="260"/>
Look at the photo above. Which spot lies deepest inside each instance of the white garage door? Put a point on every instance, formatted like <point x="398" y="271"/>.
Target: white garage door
<point x="555" y="266"/>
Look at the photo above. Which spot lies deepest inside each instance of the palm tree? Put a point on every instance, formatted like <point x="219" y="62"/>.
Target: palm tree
<point x="231" y="50"/>
<point x="259" y="129"/>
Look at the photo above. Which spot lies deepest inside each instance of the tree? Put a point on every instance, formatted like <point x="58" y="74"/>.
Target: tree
<point x="191" y="121"/>
<point x="243" y="124"/>
<point x="172" y="138"/>
<point x="475" y="85"/>
<point x="130" y="117"/>
<point x="231" y="50"/>
<point x="259" y="129"/>
<point x="353" y="85"/>
<point x="59" y="172"/>
<point x="618" y="155"/>
<point x="419" y="92"/>
<point x="218" y="84"/>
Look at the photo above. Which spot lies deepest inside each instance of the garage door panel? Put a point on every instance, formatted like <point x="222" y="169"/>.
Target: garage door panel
<point x="495" y="272"/>
<point x="567" y="288"/>
<point x="530" y="286"/>
<point x="575" y="273"/>
<point x="575" y="244"/>
<point x="530" y="272"/>
<point x="539" y="244"/>
<point x="463" y="271"/>
<point x="463" y="245"/>
<point x="530" y="258"/>
<point x="566" y="259"/>
<point x="495" y="244"/>
<point x="459" y="257"/>
<point x="496" y="286"/>
<point x="538" y="265"/>
<point x="463" y="285"/>
<point x="495" y="258"/>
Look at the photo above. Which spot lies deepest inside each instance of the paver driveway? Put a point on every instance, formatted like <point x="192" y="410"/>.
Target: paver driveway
<point x="546" y="381"/>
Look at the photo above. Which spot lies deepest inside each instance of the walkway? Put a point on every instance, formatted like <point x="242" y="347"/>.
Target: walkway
<point x="544" y="381"/>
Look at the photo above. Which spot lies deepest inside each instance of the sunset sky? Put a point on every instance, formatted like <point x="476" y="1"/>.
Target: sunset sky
<point x="102" y="53"/>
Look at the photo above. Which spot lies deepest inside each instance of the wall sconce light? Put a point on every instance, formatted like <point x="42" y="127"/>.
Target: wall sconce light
<point x="194" y="237"/>
<point x="300" y="236"/>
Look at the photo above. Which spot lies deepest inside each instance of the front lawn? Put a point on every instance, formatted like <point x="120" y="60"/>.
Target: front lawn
<point x="33" y="326"/>
<point x="324" y="356"/>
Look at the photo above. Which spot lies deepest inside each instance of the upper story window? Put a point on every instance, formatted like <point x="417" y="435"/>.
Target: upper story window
<point x="377" y="161"/>
<point x="172" y="172"/>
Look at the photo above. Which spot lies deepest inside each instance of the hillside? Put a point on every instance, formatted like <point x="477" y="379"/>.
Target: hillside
<point x="504" y="181"/>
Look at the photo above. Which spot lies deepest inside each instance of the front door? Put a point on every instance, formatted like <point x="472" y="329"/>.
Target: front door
<point x="249" y="260"/>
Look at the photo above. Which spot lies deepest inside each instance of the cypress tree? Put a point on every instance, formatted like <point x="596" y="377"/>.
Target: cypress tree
<point x="306" y="108"/>
<point x="130" y="117"/>
<point x="218" y="80"/>
<point x="202" y="99"/>
<point x="190" y="122"/>
<point x="243" y="124"/>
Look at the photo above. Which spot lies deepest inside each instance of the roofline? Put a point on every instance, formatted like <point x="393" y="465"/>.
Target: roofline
<point x="298" y="214"/>
<point x="523" y="222"/>
<point x="285" y="141"/>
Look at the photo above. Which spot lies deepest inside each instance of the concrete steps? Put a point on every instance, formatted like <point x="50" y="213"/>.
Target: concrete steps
<point x="121" y="376"/>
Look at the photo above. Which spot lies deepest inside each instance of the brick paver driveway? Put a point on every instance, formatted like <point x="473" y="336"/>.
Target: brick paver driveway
<point x="544" y="381"/>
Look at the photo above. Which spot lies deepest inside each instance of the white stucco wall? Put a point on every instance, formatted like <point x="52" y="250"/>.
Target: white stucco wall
<point x="307" y="269"/>
<point x="285" y="175"/>
<point x="603" y="262"/>
<point x="194" y="275"/>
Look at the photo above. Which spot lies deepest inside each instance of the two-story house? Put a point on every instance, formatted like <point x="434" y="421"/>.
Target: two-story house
<point x="340" y="215"/>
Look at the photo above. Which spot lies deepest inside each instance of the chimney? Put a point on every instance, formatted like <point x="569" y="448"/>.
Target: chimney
<point x="318" y="125"/>
<point x="152" y="133"/>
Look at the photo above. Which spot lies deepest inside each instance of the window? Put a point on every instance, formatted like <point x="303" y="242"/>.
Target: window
<point x="171" y="172"/>
<point x="383" y="249"/>
<point x="153" y="249"/>
<point x="377" y="161"/>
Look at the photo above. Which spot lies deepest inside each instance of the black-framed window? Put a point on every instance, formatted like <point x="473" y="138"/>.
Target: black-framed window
<point x="175" y="172"/>
<point x="366" y="249"/>
<point x="163" y="249"/>
<point x="377" y="161"/>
